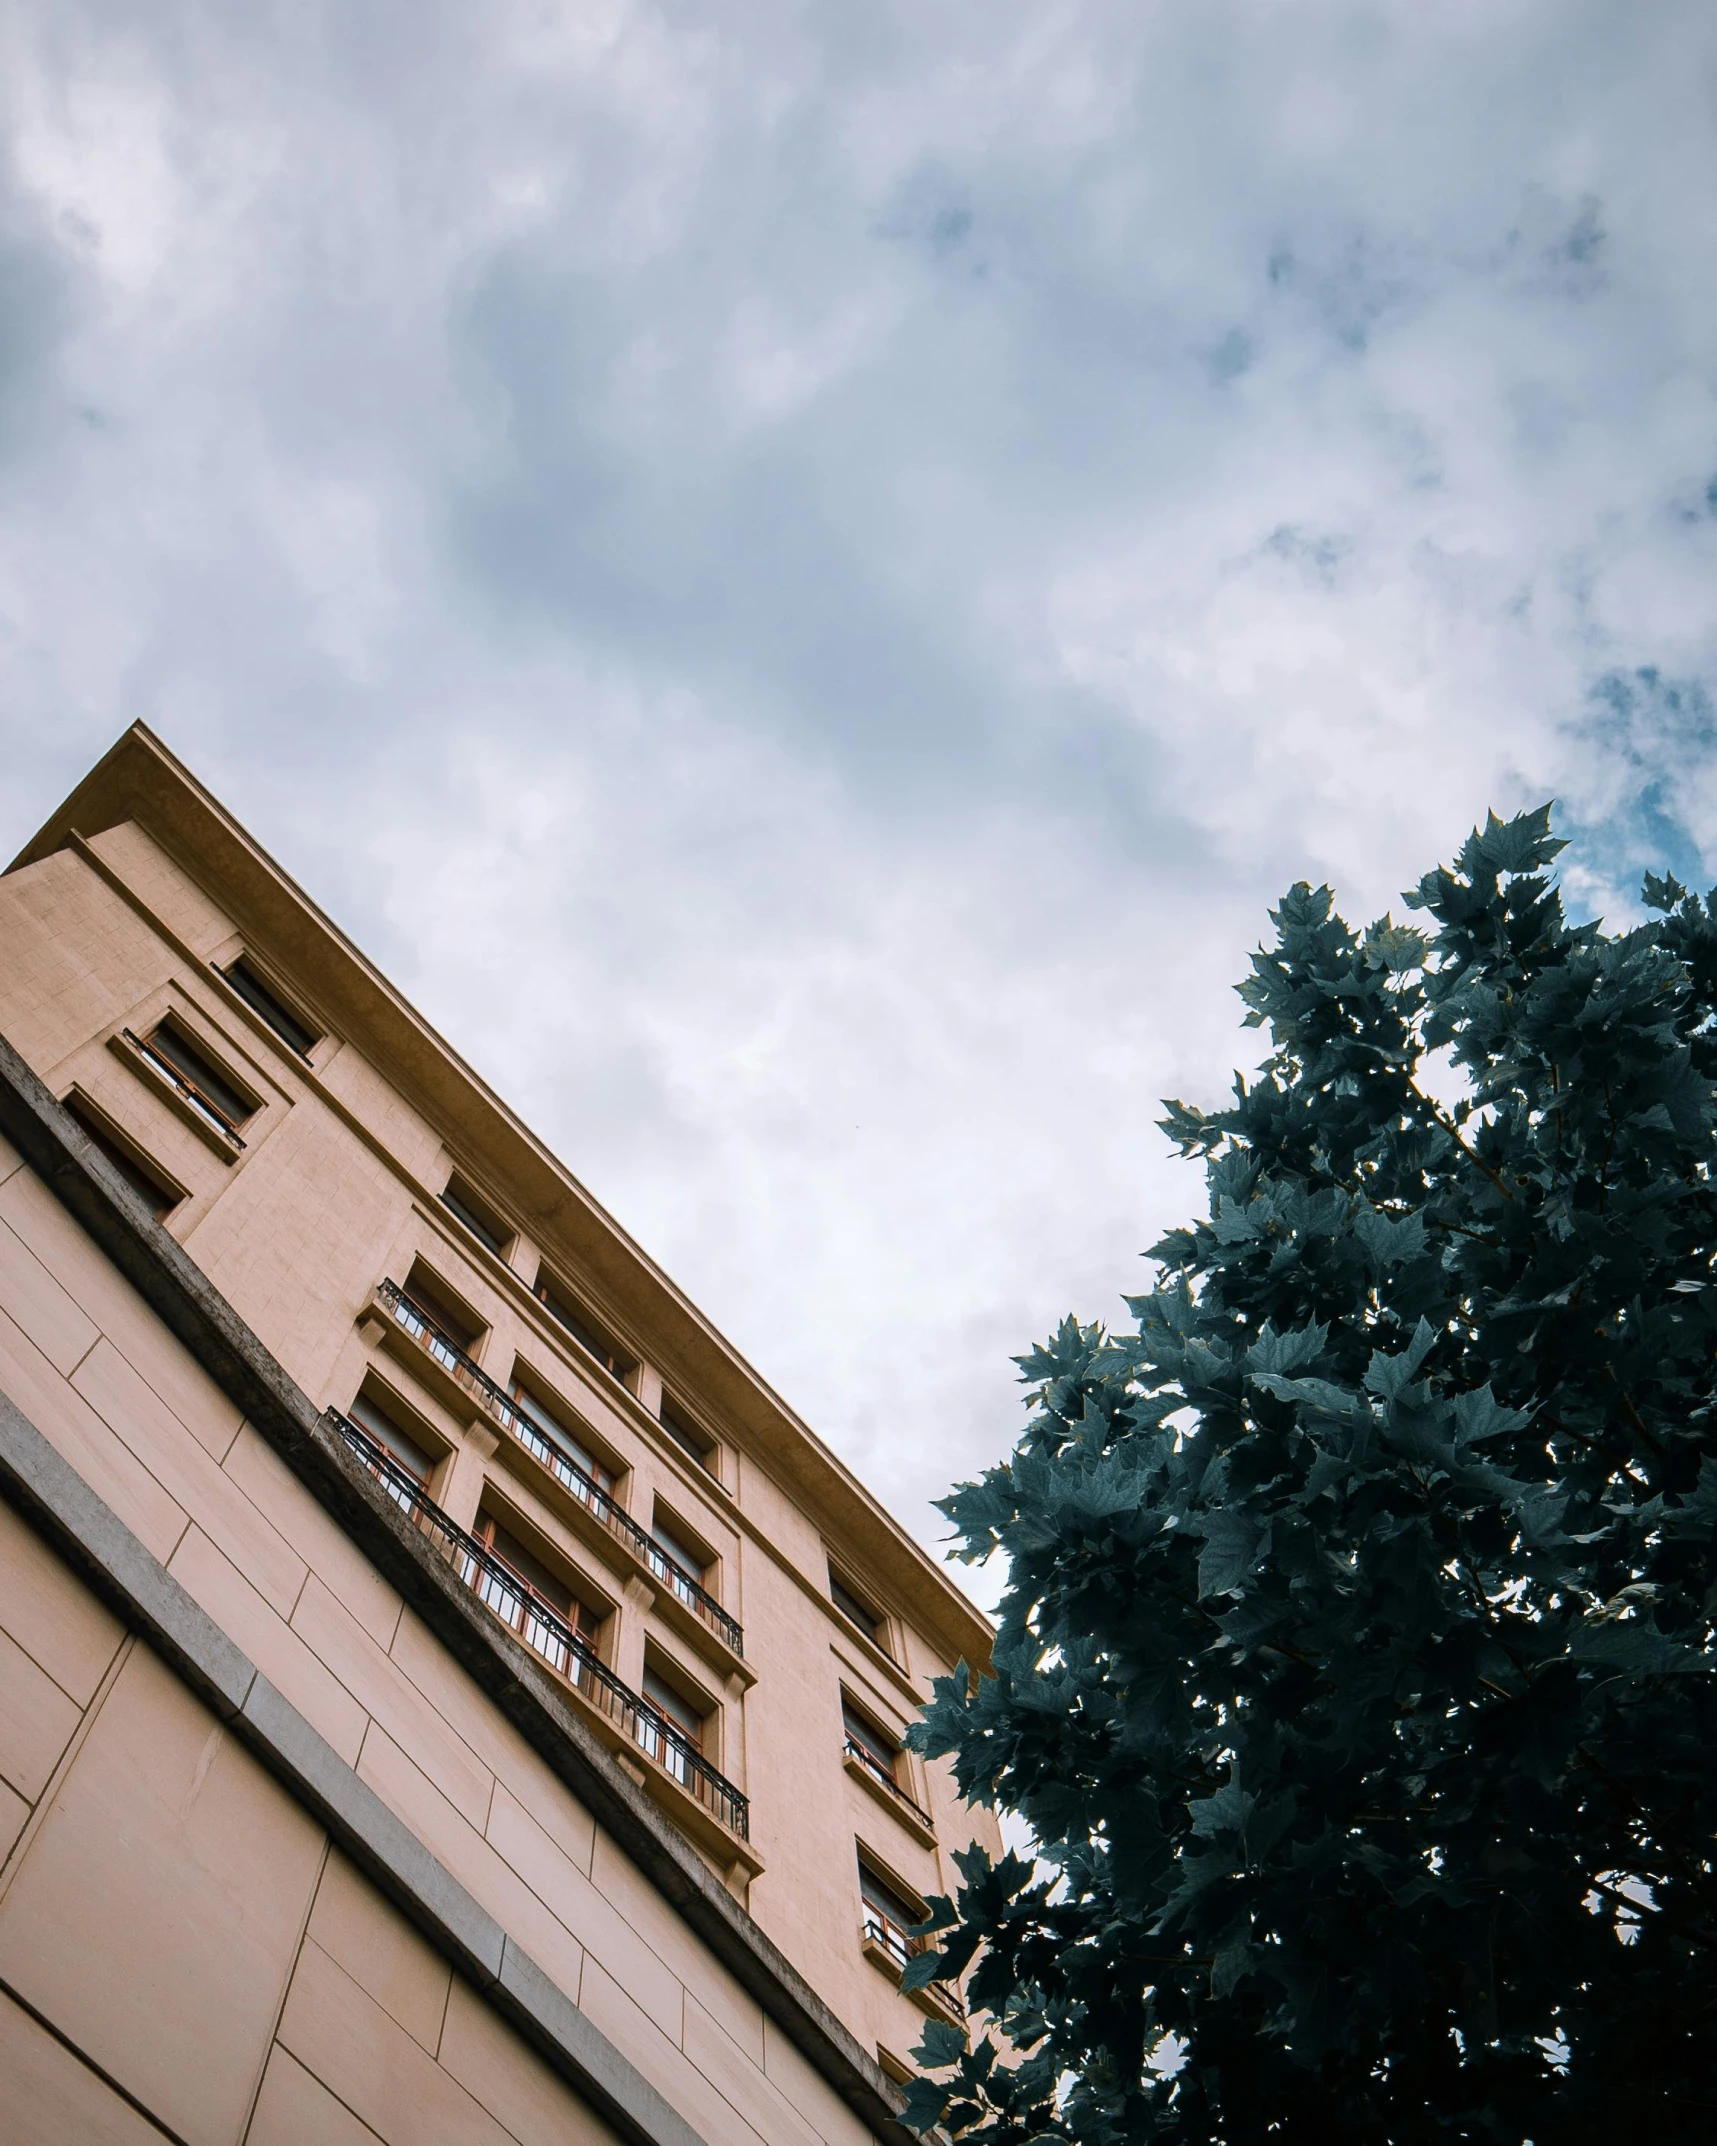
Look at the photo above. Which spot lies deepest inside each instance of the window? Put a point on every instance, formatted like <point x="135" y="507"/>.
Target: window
<point x="869" y="1744"/>
<point x="500" y="1542"/>
<point x="528" y="1593"/>
<point x="156" y="1190"/>
<point x="888" y="1914"/>
<point x="543" y="1418"/>
<point x="196" y="1077"/>
<point x="690" y="1436"/>
<point x="262" y="999"/>
<point x="675" y="1707"/>
<point x="436" y="1302"/>
<point x="671" y="1536"/>
<point x="478" y="1217"/>
<point x="563" y="1307"/>
<point x="870" y="1622"/>
<point x="371" y="1415"/>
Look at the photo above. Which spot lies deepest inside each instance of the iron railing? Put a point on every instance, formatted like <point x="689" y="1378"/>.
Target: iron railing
<point x="547" y="1633"/>
<point x="872" y="1765"/>
<point x="901" y="1946"/>
<point x="205" y="1106"/>
<point x="583" y="1486"/>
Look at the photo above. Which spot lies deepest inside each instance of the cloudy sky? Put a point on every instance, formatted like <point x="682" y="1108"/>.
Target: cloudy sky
<point x="801" y="574"/>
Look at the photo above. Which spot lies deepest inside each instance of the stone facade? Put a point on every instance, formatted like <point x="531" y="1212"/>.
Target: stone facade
<point x="444" y="1693"/>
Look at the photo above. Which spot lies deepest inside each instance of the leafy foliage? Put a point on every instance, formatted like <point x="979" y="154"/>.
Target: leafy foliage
<point x="1355" y="1672"/>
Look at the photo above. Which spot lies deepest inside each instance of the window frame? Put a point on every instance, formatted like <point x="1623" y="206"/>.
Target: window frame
<point x="172" y="1033"/>
<point x="262" y="987"/>
<point x="380" y="1400"/>
<point x="685" y="1429"/>
<point x="585" y="1328"/>
<point x="477" y="1216"/>
<point x="548" y="1412"/>
<point x="438" y="1301"/>
<point x="873" y="1625"/>
<point x="691" y="1695"/>
<point x="884" y="1748"/>
<point x="589" y="1619"/>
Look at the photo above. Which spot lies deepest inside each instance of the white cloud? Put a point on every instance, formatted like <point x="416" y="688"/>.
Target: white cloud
<point x="801" y="578"/>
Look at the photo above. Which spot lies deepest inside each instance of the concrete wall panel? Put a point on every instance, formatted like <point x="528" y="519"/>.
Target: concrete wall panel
<point x="382" y="1953"/>
<point x="51" y="2099"/>
<point x="183" y="1874"/>
<point x="364" y="2057"/>
<point x="52" y="1615"/>
<point x="296" y="2109"/>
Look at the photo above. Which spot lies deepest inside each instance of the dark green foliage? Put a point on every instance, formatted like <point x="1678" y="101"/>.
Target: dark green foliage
<point x="1356" y="1665"/>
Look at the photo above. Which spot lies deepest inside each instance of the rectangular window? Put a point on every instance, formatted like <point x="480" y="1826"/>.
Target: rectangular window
<point x="370" y="1415"/>
<point x="527" y="1594"/>
<point x="157" y="1192"/>
<point x="671" y="1537"/>
<point x="543" y="1418"/>
<point x="478" y="1217"/>
<point x="262" y="999"/>
<point x="888" y="1914"/>
<point x="868" y="1743"/>
<point x="457" y="1322"/>
<point x="197" y="1078"/>
<point x="566" y="1311"/>
<point x="687" y="1434"/>
<point x="856" y="1612"/>
<point x="675" y="1707"/>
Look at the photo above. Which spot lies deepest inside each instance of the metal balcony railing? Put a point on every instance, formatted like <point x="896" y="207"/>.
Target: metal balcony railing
<point x="205" y="1106"/>
<point x="901" y="1946"/>
<point x="546" y="1632"/>
<point x="499" y="1404"/>
<point x="873" y="1766"/>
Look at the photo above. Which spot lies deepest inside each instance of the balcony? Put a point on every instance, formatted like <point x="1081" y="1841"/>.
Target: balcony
<point x="888" y="1945"/>
<point x="861" y="1761"/>
<point x="627" y="1716"/>
<point x="444" y="1352"/>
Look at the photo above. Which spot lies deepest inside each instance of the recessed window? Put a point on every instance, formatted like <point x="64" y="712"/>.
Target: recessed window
<point x="477" y="1215"/>
<point x="543" y="1582"/>
<point x="888" y="1913"/>
<point x="566" y="1311"/>
<point x="263" y="999"/>
<point x="559" y="1433"/>
<point x="857" y="1611"/>
<point x="372" y="1415"/>
<point x="455" y="1321"/>
<point x="871" y="1746"/>
<point x="153" y="1187"/>
<point x="196" y="1077"/>
<point x="674" y="1706"/>
<point x="689" y="1434"/>
<point x="672" y="1537"/>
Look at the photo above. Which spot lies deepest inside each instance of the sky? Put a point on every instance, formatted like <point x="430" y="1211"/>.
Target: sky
<point x="800" y="576"/>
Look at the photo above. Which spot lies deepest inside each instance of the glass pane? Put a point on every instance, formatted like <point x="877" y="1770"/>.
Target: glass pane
<point x="194" y="1067"/>
<point x="260" y="999"/>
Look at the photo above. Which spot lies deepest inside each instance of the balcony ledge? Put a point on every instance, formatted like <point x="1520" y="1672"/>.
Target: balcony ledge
<point x="903" y="1812"/>
<point x="938" y="2003"/>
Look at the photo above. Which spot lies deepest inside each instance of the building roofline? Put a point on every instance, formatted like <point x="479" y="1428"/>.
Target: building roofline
<point x="140" y="779"/>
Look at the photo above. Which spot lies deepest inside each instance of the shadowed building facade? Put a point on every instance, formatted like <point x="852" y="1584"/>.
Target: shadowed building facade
<point x="445" y="1694"/>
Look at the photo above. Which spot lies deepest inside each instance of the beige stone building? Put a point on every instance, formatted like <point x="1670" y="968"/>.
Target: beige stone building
<point x="445" y="1694"/>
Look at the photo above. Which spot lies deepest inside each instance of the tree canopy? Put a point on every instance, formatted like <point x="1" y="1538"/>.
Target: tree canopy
<point x="1355" y="1666"/>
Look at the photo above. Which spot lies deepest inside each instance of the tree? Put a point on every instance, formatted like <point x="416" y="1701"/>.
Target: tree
<point x="1355" y="1666"/>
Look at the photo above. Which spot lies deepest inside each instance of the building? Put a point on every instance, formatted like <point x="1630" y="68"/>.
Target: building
<point x="444" y="1693"/>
